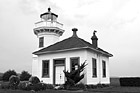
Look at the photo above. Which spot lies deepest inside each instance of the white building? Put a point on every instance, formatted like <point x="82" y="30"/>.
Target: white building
<point x="54" y="56"/>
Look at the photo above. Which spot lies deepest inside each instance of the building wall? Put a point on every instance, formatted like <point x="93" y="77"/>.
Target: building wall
<point x="84" y="55"/>
<point x="67" y="55"/>
<point x="99" y="78"/>
<point x="35" y="65"/>
<point x="49" y="38"/>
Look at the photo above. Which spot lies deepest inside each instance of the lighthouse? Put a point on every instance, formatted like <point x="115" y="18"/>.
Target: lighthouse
<point x="48" y="30"/>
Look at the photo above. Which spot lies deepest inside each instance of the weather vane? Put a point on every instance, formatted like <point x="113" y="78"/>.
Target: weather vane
<point x="94" y="32"/>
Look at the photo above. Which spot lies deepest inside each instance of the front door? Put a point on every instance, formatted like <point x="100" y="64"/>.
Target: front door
<point x="59" y="66"/>
<point x="59" y="75"/>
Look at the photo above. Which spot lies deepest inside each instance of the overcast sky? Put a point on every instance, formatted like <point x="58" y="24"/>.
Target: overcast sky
<point x="117" y="23"/>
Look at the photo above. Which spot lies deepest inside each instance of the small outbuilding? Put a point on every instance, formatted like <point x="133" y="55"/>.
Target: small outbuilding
<point x="54" y="56"/>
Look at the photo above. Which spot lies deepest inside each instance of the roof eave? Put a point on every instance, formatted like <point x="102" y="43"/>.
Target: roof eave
<point x="56" y="51"/>
<point x="107" y="54"/>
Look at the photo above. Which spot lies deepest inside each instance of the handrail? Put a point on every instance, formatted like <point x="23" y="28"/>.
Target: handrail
<point x="49" y="21"/>
<point x="48" y="24"/>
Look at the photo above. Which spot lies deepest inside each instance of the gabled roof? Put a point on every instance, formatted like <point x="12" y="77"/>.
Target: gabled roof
<point x="70" y="43"/>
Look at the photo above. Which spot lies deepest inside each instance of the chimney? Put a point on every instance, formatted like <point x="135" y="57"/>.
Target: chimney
<point x="94" y="40"/>
<point x="74" y="32"/>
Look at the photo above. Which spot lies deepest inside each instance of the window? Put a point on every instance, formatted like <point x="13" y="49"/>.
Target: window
<point x="45" y="68"/>
<point x="74" y="63"/>
<point x="41" y="42"/>
<point x="104" y="68"/>
<point x="94" y="67"/>
<point x="59" y="61"/>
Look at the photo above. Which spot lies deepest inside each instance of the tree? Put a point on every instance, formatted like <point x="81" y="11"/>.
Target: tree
<point x="73" y="77"/>
<point x="24" y="76"/>
<point x="8" y="74"/>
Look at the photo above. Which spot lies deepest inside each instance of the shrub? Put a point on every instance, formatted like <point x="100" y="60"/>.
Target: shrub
<point x="14" y="81"/>
<point x="130" y="81"/>
<point x="73" y="77"/>
<point x="34" y="80"/>
<point x="8" y="74"/>
<point x="0" y="78"/>
<point x="99" y="85"/>
<point x="38" y="86"/>
<point x="23" y="85"/>
<point x="24" y="76"/>
<point x="5" y="85"/>
<point x="34" y="84"/>
<point x="26" y="85"/>
<point x="96" y="86"/>
<point x="91" y="86"/>
<point x="80" y="86"/>
<point x="49" y="86"/>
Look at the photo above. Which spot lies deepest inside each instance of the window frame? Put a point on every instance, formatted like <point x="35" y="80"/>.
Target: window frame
<point x="44" y="75"/>
<point x="94" y="68"/>
<point x="104" y="69"/>
<point x="72" y="58"/>
<point x="41" y="42"/>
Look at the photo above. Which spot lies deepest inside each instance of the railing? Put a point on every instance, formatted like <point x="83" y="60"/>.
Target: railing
<point x="48" y="24"/>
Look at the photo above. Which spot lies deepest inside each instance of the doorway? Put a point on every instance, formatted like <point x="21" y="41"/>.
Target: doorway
<point x="59" y="67"/>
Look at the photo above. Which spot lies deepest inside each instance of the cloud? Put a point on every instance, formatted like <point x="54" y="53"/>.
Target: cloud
<point x="126" y="14"/>
<point x="33" y="6"/>
<point x="107" y="13"/>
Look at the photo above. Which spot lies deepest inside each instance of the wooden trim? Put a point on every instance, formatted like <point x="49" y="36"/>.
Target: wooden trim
<point x="48" y="69"/>
<point x="54" y="67"/>
<point x="41" y="42"/>
<point x="53" y="73"/>
<point x="71" y="63"/>
<point x="94" y="76"/>
<point x="59" y="59"/>
<point x="104" y="68"/>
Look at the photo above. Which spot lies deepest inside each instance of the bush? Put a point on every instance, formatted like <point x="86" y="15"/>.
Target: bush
<point x="96" y="86"/>
<point x="38" y="86"/>
<point x="77" y="87"/>
<point x="0" y="78"/>
<point x="74" y="76"/>
<point x="91" y="86"/>
<point x="130" y="81"/>
<point x="35" y="87"/>
<point x="23" y="85"/>
<point x="49" y="86"/>
<point x="26" y="85"/>
<point x="80" y="86"/>
<point x="24" y="76"/>
<point x="34" y="84"/>
<point x="34" y="80"/>
<point x="8" y="74"/>
<point x="5" y="85"/>
<point x="14" y="81"/>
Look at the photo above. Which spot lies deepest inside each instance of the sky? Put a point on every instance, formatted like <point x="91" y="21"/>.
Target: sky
<point x="116" y="22"/>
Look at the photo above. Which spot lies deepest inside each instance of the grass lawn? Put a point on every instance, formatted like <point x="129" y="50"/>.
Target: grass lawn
<point x="45" y="91"/>
<point x="114" y="88"/>
<point x="102" y="90"/>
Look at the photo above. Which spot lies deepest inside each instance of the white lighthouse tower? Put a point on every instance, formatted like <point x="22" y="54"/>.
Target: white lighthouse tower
<point x="48" y="31"/>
